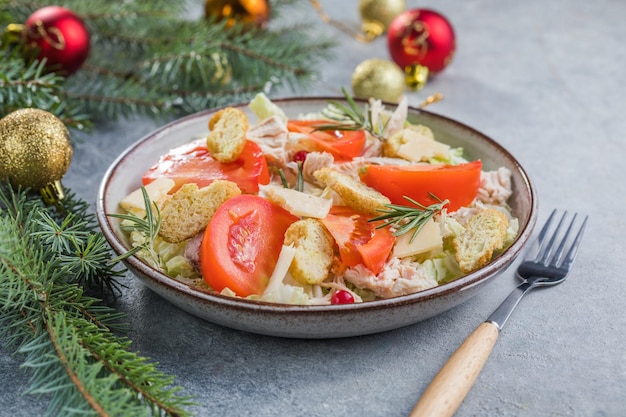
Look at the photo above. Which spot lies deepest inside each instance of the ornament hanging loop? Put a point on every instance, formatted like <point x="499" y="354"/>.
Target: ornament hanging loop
<point x="12" y="34"/>
<point x="416" y="76"/>
<point x="39" y="30"/>
<point x="52" y="193"/>
<point x="372" y="29"/>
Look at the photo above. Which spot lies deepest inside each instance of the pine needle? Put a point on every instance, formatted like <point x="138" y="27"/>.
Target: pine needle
<point x="67" y="337"/>
<point x="147" y="58"/>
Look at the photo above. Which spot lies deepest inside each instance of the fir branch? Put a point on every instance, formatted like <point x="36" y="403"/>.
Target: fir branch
<point x="24" y="85"/>
<point x="66" y="336"/>
<point x="146" y="59"/>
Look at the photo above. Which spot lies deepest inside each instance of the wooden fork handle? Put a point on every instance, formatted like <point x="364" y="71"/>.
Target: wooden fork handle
<point x="450" y="386"/>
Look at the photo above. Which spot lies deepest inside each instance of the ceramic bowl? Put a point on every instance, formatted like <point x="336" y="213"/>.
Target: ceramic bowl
<point x="328" y="321"/>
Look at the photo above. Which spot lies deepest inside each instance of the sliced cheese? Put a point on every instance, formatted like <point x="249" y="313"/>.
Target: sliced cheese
<point x="418" y="147"/>
<point x="297" y="203"/>
<point x="156" y="190"/>
<point x="422" y="130"/>
<point x="427" y="240"/>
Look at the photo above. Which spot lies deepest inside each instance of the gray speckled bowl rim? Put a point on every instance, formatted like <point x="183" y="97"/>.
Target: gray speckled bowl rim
<point x="464" y="283"/>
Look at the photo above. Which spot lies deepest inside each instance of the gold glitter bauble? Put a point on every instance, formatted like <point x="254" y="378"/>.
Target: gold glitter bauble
<point x="378" y="14"/>
<point x="378" y="78"/>
<point x="35" y="148"/>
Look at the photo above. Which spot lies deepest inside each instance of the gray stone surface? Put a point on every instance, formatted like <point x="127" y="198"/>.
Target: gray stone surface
<point x="545" y="79"/>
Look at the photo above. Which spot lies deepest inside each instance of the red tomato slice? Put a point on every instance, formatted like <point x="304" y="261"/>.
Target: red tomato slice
<point x="241" y="244"/>
<point x="358" y="239"/>
<point x="456" y="183"/>
<point x="192" y="163"/>
<point x="343" y="145"/>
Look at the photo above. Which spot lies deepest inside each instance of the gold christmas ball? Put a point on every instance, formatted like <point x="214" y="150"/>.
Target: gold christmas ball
<point x="35" y="148"/>
<point x="378" y="78"/>
<point x="256" y="12"/>
<point x="378" y="14"/>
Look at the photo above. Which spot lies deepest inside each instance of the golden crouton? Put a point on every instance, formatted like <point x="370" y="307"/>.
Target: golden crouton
<point x="354" y="194"/>
<point x="187" y="212"/>
<point x="484" y="233"/>
<point x="227" y="135"/>
<point x="314" y="251"/>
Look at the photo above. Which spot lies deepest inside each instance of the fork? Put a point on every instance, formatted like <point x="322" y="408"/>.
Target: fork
<point x="543" y="266"/>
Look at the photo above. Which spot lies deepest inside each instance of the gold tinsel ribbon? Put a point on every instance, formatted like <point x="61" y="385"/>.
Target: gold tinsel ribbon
<point x="356" y="34"/>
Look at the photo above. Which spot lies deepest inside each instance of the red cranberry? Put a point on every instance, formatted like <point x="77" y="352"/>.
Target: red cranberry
<point x="300" y="156"/>
<point x="342" y="297"/>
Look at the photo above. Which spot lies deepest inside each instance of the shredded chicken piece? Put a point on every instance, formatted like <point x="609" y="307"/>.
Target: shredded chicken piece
<point x="397" y="119"/>
<point x="313" y="162"/>
<point x="399" y="277"/>
<point x="376" y="108"/>
<point x="272" y="136"/>
<point x="495" y="186"/>
<point x="192" y="251"/>
<point x="373" y="147"/>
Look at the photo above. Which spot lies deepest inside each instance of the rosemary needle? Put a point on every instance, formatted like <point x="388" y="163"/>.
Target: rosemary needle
<point x="350" y="117"/>
<point x="148" y="227"/>
<point x="407" y="218"/>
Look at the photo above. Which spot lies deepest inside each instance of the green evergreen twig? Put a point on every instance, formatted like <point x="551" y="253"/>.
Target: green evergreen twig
<point x="68" y="338"/>
<point x="147" y="59"/>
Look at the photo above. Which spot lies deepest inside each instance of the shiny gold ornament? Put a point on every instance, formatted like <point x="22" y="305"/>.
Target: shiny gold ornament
<point x="378" y="14"/>
<point x="35" y="151"/>
<point x="378" y="78"/>
<point x="416" y="76"/>
<point x="256" y="12"/>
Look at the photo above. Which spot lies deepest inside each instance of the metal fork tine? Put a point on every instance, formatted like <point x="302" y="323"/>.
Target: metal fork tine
<point x="559" y="251"/>
<point x="571" y="254"/>
<point x="547" y="249"/>
<point x="538" y="243"/>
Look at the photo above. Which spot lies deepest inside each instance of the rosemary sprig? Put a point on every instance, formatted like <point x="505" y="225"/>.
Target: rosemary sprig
<point x="351" y="117"/>
<point x="299" y="185"/>
<point x="407" y="218"/>
<point x="147" y="226"/>
<point x="300" y="178"/>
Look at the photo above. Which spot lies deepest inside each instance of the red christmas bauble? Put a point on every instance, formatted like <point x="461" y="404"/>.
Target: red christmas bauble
<point x="421" y="37"/>
<point x="59" y="36"/>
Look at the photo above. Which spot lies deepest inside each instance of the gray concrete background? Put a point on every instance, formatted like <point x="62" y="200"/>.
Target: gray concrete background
<point x="546" y="80"/>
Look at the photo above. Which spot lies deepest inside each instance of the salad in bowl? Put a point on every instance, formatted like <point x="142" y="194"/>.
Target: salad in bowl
<point x="343" y="205"/>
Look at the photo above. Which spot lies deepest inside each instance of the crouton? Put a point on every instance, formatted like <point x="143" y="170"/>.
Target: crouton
<point x="314" y="251"/>
<point x="354" y="193"/>
<point x="484" y="233"/>
<point x="187" y="212"/>
<point x="227" y="135"/>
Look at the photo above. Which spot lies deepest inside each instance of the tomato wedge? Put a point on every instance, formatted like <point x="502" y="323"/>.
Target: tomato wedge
<point x="358" y="239"/>
<point x="343" y="145"/>
<point x="456" y="183"/>
<point x="192" y="163"/>
<point x="241" y="244"/>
